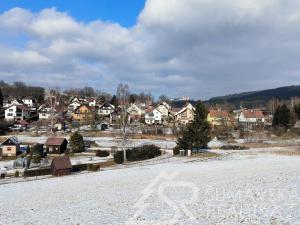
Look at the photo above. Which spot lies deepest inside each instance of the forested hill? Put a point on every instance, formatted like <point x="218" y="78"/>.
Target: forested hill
<point x="258" y="98"/>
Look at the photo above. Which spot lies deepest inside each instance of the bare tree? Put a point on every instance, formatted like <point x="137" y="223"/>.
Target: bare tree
<point x="123" y="97"/>
<point x="53" y="100"/>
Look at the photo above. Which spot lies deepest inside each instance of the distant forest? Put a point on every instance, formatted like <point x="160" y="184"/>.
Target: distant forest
<point x="20" y="89"/>
<point x="258" y="98"/>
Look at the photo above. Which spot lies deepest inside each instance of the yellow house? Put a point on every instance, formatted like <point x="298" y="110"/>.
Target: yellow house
<point x="82" y="113"/>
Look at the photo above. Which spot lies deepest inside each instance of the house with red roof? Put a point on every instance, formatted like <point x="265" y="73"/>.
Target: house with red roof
<point x="220" y="118"/>
<point x="251" y="117"/>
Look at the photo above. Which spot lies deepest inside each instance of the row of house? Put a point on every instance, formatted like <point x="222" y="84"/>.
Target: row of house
<point x="12" y="147"/>
<point x="82" y="109"/>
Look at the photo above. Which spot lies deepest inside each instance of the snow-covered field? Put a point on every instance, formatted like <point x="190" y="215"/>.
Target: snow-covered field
<point x="106" y="142"/>
<point x="261" y="189"/>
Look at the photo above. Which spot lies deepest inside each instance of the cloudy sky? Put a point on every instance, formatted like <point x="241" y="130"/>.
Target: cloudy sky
<point x="196" y="48"/>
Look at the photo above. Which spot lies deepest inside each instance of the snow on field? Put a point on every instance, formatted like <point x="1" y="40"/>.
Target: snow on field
<point x="257" y="190"/>
<point x="106" y="142"/>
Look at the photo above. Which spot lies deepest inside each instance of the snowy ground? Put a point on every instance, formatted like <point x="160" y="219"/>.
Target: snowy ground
<point x="254" y="189"/>
<point x="106" y="142"/>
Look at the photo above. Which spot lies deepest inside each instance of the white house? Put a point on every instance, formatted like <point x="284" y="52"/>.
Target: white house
<point x="45" y="112"/>
<point x="251" y="116"/>
<point x="106" y="109"/>
<point x="153" y="117"/>
<point x="91" y="102"/>
<point x="186" y="114"/>
<point x="73" y="105"/>
<point x="164" y="108"/>
<point x="135" y="112"/>
<point x="29" y="101"/>
<point x="17" y="112"/>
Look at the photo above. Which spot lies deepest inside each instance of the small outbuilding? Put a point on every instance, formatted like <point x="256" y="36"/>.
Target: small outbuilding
<point x="55" y="145"/>
<point x="61" y="166"/>
<point x="10" y="147"/>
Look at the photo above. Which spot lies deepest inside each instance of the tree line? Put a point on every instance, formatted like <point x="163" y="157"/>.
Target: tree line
<point x="19" y="89"/>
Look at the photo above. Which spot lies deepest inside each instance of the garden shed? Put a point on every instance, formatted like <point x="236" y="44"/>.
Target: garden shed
<point x="61" y="166"/>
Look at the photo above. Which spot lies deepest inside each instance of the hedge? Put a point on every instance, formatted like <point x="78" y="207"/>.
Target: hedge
<point x="138" y="154"/>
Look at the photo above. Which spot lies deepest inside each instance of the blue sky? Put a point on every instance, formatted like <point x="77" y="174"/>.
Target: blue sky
<point x="124" y="12"/>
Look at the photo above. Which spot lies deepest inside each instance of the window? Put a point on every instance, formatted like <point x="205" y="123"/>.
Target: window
<point x="11" y="110"/>
<point x="8" y="148"/>
<point x="9" y="114"/>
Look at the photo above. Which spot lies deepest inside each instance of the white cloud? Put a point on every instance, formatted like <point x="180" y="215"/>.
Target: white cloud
<point x="200" y="48"/>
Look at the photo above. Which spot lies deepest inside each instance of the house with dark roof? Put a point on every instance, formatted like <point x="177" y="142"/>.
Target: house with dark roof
<point x="56" y="145"/>
<point x="10" y="147"/>
<point x="17" y="112"/>
<point x="61" y="166"/>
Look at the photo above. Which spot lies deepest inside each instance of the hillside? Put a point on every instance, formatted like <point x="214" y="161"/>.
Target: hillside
<point x="258" y="98"/>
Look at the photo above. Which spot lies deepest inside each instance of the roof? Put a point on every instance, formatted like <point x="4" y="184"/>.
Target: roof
<point x="61" y="162"/>
<point x="55" y="141"/>
<point x="23" y="107"/>
<point x="14" y="140"/>
<point x="219" y="113"/>
<point x="253" y="114"/>
<point x="186" y="107"/>
<point x="22" y="122"/>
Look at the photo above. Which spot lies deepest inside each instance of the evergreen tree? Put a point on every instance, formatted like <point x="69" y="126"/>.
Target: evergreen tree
<point x="76" y="142"/>
<point x="282" y="117"/>
<point x="114" y="101"/>
<point x="297" y="111"/>
<point x="197" y="133"/>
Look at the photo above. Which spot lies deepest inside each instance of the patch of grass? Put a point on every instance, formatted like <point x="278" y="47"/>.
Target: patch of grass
<point x="233" y="147"/>
<point x="206" y="155"/>
<point x="288" y="152"/>
<point x="108" y="163"/>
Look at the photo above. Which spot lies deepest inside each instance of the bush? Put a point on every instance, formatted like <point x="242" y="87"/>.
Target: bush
<point x="233" y="147"/>
<point x="93" y="167"/>
<point x="17" y="173"/>
<point x="36" y="159"/>
<point x="176" y="150"/>
<point x="138" y="154"/>
<point x="37" y="172"/>
<point x="102" y="153"/>
<point x="77" y="142"/>
<point x="119" y="157"/>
